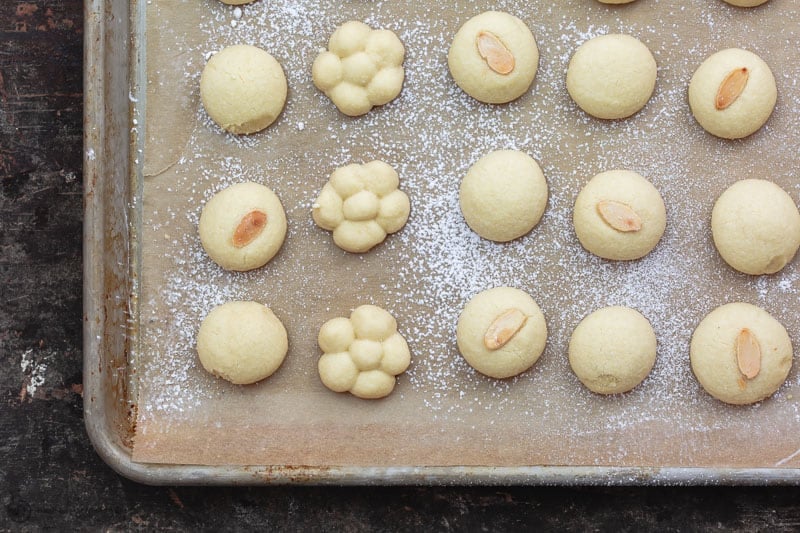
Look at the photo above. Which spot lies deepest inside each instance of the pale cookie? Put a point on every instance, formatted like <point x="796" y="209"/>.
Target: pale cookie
<point x="363" y="353"/>
<point x="243" y="89"/>
<point x="740" y="354"/>
<point x="756" y="227"/>
<point x="242" y="227"/>
<point x="611" y="76"/>
<point x="619" y="215"/>
<point x="615" y="1"/>
<point x="361" y="204"/>
<point x="612" y="350"/>
<point x="732" y="93"/>
<point x="501" y="332"/>
<point x="503" y="195"/>
<point x="494" y="57"/>
<point x="362" y="68"/>
<point x="242" y="342"/>
<point x="239" y="2"/>
<point x="746" y="3"/>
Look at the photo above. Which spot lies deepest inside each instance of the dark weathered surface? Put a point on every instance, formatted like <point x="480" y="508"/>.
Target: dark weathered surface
<point x="49" y="475"/>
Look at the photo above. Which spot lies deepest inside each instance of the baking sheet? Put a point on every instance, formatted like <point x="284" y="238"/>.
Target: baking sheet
<point x="443" y="413"/>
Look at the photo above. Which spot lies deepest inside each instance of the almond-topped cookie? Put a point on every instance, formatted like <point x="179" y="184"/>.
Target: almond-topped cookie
<point x="619" y="215"/>
<point x="740" y="354"/>
<point x="501" y="332"/>
<point x="242" y="227"/>
<point x="732" y="93"/>
<point x="494" y="57"/>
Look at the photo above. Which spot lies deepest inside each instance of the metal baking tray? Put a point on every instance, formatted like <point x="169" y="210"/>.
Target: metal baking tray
<point x="113" y="76"/>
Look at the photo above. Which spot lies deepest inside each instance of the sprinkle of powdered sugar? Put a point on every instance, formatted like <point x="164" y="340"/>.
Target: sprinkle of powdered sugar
<point x="444" y="132"/>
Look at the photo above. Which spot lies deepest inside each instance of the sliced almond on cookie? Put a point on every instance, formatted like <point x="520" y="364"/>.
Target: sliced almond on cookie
<point x="250" y="227"/>
<point x="731" y="87"/>
<point x="619" y="216"/>
<point x="503" y="328"/>
<point x="748" y="354"/>
<point x="497" y="56"/>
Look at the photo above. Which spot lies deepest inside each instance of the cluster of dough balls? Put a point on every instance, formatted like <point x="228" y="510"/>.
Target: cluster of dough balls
<point x="361" y="68"/>
<point x="361" y="204"/>
<point x="363" y="353"/>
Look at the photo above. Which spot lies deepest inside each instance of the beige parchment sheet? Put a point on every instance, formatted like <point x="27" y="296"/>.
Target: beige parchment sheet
<point x="442" y="412"/>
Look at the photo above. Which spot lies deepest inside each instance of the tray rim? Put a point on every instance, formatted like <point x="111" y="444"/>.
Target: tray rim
<point x="100" y="398"/>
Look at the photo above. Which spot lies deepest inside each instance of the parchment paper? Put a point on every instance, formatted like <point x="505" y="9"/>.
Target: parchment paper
<point x="442" y="412"/>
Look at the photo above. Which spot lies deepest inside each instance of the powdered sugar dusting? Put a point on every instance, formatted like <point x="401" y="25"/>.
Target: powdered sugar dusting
<point x="425" y="274"/>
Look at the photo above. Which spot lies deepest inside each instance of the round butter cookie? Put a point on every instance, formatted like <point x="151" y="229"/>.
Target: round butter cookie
<point x="501" y="332"/>
<point x="756" y="227"/>
<point x="242" y="342"/>
<point x="740" y="354"/>
<point x="503" y="195"/>
<point x="619" y="215"/>
<point x="611" y="76"/>
<point x="242" y="227"/>
<point x="612" y="350"/>
<point x="494" y="57"/>
<point x="732" y="93"/>
<point x="243" y="88"/>
<point x="745" y="3"/>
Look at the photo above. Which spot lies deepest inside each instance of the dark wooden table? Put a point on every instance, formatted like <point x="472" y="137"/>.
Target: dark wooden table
<point x="51" y="478"/>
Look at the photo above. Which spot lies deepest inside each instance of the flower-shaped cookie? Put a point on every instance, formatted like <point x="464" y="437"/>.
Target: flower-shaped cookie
<point x="362" y="68"/>
<point x="363" y="353"/>
<point x="361" y="204"/>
